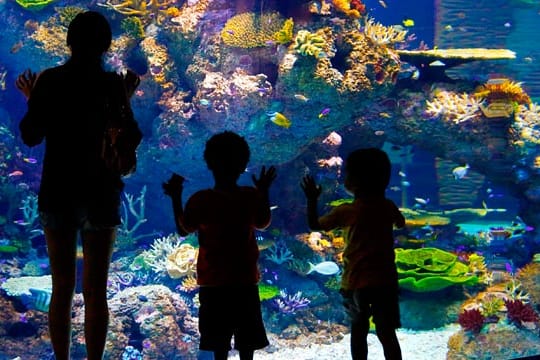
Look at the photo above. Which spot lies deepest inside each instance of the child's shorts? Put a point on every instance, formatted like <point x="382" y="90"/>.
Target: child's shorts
<point x="380" y="302"/>
<point x="228" y="311"/>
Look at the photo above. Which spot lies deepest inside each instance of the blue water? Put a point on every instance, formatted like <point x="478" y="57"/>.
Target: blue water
<point x="178" y="107"/>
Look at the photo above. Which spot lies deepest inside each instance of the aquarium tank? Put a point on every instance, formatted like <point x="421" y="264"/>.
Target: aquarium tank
<point x="449" y="89"/>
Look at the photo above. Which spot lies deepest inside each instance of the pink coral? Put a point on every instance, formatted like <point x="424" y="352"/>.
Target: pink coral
<point x="518" y="312"/>
<point x="471" y="320"/>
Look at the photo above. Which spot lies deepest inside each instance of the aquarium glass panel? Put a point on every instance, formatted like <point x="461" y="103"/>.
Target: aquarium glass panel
<point x="448" y="89"/>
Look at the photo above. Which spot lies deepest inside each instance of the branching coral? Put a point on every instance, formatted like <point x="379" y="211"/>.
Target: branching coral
<point x="515" y="291"/>
<point x="289" y="304"/>
<point x="143" y="8"/>
<point x="382" y="35"/>
<point x="156" y="256"/>
<point x="249" y="30"/>
<point x="453" y="107"/>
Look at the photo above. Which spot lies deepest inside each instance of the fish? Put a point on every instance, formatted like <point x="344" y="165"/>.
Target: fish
<point x="324" y="268"/>
<point x="15" y="173"/>
<point x="385" y="115"/>
<point x="280" y="119"/>
<point x="421" y="201"/>
<point x="459" y="172"/>
<point x="449" y="27"/>
<point x="395" y="188"/>
<point x="437" y="63"/>
<point x="379" y="132"/>
<point x="405" y="183"/>
<point x="408" y="22"/>
<point x="324" y="112"/>
<point x="301" y="97"/>
<point x="383" y="4"/>
<point x="402" y="174"/>
<point x="16" y="47"/>
<point x="29" y="160"/>
<point x="204" y="102"/>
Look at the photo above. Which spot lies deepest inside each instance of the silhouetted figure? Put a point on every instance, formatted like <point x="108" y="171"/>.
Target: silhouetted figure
<point x="369" y="280"/>
<point x="66" y="108"/>
<point x="225" y="218"/>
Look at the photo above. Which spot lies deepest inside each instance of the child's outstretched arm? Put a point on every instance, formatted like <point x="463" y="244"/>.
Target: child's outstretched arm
<point x="263" y="183"/>
<point x="173" y="188"/>
<point x="312" y="192"/>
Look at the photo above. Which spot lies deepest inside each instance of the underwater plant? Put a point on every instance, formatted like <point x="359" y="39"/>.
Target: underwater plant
<point x="267" y="292"/>
<point x="518" y="312"/>
<point x="285" y="35"/>
<point x="471" y="320"/>
<point x="491" y="305"/>
<point x="67" y="14"/>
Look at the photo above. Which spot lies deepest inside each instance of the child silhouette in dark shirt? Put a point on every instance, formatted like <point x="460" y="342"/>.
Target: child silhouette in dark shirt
<point x="369" y="280"/>
<point x="225" y="218"/>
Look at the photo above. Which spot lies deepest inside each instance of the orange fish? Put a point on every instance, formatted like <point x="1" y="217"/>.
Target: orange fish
<point x="15" y="173"/>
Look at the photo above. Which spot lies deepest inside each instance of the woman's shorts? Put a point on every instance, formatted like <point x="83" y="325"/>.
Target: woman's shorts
<point x="79" y="219"/>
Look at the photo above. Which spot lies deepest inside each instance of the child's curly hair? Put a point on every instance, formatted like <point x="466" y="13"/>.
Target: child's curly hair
<point x="369" y="170"/>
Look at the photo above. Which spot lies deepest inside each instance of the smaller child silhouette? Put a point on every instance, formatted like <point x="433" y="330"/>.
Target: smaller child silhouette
<point x="369" y="281"/>
<point x="225" y="218"/>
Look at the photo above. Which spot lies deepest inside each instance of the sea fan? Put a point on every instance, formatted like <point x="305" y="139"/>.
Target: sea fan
<point x="518" y="312"/>
<point x="471" y="320"/>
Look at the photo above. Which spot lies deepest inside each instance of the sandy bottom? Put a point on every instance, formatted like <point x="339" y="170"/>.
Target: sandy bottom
<point x="415" y="345"/>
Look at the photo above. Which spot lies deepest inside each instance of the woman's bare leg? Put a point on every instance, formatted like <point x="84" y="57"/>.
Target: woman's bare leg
<point x="61" y="247"/>
<point x="97" y="248"/>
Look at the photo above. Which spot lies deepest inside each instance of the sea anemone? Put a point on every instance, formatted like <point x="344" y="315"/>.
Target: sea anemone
<point x="471" y="320"/>
<point x="518" y="312"/>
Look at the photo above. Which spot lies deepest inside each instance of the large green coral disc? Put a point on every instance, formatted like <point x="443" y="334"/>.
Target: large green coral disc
<point x="34" y="5"/>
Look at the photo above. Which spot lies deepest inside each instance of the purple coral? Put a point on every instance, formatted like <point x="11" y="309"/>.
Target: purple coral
<point x="518" y="312"/>
<point x="289" y="304"/>
<point x="471" y="320"/>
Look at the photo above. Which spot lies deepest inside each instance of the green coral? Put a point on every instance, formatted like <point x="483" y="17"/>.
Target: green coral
<point x="431" y="269"/>
<point x="250" y="30"/>
<point x="285" y="35"/>
<point x="8" y="249"/>
<point x="34" y="5"/>
<point x="308" y="43"/>
<point x="67" y="14"/>
<point x="491" y="305"/>
<point x="133" y="27"/>
<point x="267" y="292"/>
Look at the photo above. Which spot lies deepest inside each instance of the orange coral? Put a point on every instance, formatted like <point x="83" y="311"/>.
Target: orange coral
<point x="505" y="89"/>
<point x="352" y="8"/>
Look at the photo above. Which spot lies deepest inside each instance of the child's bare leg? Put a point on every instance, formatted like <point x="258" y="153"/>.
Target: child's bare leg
<point x="359" y="333"/>
<point x="246" y="354"/>
<point x="390" y="343"/>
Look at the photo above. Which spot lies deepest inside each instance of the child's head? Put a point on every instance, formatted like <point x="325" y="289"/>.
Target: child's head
<point x="227" y="154"/>
<point x="367" y="172"/>
<point x="89" y="34"/>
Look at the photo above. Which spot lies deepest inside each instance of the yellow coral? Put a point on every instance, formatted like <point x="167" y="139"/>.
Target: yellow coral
<point x="345" y="7"/>
<point x="157" y="58"/>
<point x="147" y="9"/>
<point x="249" y="30"/>
<point x="285" y="35"/>
<point x="189" y="284"/>
<point x="383" y="35"/>
<point x="182" y="261"/>
<point x="505" y="90"/>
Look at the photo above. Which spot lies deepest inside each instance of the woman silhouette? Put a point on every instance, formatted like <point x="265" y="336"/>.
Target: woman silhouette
<point x="78" y="194"/>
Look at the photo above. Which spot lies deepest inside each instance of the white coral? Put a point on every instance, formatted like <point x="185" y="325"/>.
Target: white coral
<point x="383" y="35"/>
<point x="156" y="256"/>
<point x="453" y="107"/>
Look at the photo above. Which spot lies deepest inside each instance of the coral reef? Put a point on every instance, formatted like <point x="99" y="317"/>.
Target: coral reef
<point x="34" y="5"/>
<point x="502" y="89"/>
<point x="285" y="35"/>
<point x="250" y="30"/>
<point x="147" y="9"/>
<point x="351" y="8"/>
<point x="133" y="27"/>
<point x="290" y="304"/>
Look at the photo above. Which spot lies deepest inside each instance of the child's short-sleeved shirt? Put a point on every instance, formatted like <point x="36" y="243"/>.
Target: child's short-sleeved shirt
<point x="226" y="223"/>
<point x="369" y="258"/>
